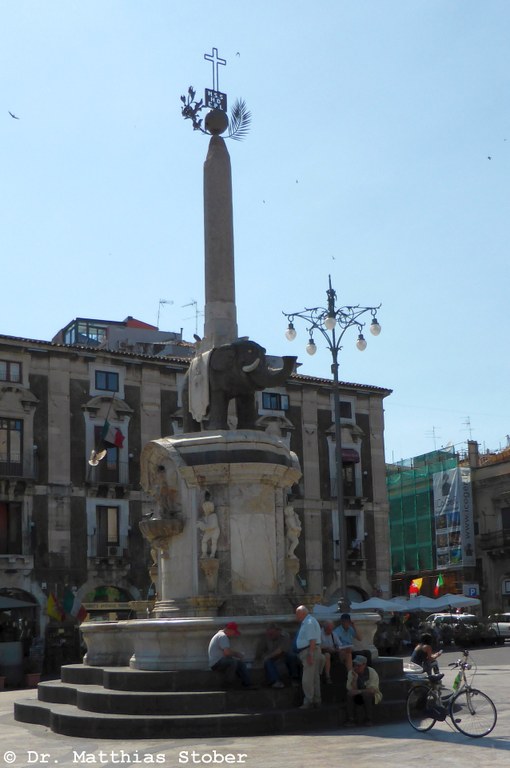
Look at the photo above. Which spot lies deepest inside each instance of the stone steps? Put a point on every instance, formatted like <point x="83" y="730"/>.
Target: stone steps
<point x="119" y="702"/>
<point x="69" y="721"/>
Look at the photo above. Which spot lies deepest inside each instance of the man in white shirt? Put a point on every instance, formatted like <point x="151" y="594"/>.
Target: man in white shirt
<point x="330" y="647"/>
<point x="308" y="644"/>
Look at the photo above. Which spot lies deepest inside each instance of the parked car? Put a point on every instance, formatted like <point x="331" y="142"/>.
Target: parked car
<point x="451" y="618"/>
<point x="500" y="622"/>
<point x="464" y="629"/>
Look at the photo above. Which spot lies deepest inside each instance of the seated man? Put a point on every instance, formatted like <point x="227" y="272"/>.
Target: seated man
<point x="222" y="658"/>
<point x="346" y="633"/>
<point x="362" y="688"/>
<point x="275" y="650"/>
<point x="330" y="648"/>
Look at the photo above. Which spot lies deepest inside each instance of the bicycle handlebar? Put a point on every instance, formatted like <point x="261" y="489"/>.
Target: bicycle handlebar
<point x="460" y="663"/>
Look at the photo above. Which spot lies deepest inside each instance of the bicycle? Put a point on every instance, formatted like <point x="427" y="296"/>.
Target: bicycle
<point x="472" y="712"/>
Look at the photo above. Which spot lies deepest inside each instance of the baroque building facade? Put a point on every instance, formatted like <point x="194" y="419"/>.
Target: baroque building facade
<point x="69" y="523"/>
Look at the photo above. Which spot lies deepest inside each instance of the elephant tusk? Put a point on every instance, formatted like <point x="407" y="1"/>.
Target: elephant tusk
<point x="251" y="367"/>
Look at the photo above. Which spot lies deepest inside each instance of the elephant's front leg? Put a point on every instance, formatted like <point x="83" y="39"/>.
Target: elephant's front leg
<point x="246" y="411"/>
<point x="218" y="409"/>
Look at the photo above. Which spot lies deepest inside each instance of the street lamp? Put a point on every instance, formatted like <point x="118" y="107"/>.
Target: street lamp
<point x="332" y="323"/>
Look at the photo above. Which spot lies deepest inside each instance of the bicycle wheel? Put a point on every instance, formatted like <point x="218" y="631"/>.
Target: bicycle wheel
<point x="417" y="707"/>
<point x="473" y="713"/>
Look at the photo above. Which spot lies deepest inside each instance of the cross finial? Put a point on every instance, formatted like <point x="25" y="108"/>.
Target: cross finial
<point x="216" y="61"/>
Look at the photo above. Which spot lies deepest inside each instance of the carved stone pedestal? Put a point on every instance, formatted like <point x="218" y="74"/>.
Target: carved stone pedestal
<point x="209" y="567"/>
<point x="291" y="571"/>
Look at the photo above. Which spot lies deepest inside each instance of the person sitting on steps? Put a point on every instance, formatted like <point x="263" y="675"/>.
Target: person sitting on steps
<point x="222" y="658"/>
<point x="424" y="656"/>
<point x="330" y="648"/>
<point x="275" y="649"/>
<point x="362" y="688"/>
<point x="346" y="633"/>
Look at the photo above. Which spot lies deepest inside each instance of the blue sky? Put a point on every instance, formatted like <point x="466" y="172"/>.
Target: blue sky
<point x="368" y="159"/>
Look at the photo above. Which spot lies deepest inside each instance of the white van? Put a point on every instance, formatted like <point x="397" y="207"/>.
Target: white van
<point x="501" y="623"/>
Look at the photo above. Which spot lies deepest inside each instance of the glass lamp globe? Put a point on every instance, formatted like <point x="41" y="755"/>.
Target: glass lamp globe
<point x="291" y="333"/>
<point x="330" y="322"/>
<point x="361" y="343"/>
<point x="311" y="347"/>
<point x="375" y="328"/>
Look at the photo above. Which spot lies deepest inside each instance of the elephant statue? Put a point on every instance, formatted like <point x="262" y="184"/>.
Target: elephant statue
<point x="235" y="370"/>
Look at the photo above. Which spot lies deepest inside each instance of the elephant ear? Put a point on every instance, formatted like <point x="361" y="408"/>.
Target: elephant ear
<point x="222" y="358"/>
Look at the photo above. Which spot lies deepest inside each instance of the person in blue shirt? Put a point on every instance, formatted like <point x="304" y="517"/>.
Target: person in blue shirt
<point x="346" y="633"/>
<point x="308" y="645"/>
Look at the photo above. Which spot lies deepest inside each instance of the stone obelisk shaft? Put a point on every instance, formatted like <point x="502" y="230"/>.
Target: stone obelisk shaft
<point x="220" y="306"/>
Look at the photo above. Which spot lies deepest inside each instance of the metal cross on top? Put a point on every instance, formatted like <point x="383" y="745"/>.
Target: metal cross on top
<point x="214" y="98"/>
<point x="216" y="61"/>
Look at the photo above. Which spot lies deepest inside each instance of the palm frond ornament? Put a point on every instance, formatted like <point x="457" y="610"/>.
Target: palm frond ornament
<point x="240" y="121"/>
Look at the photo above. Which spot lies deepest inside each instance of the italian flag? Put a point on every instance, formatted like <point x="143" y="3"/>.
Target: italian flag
<point x="112" y="435"/>
<point x="439" y="584"/>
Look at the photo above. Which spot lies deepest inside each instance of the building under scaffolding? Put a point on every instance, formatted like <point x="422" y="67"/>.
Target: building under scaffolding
<point x="412" y="524"/>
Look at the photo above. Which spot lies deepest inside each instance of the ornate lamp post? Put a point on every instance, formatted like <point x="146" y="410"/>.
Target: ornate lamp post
<point x="332" y="323"/>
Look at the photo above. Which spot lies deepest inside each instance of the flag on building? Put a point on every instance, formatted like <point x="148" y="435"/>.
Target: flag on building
<point x="112" y="435"/>
<point x="415" y="587"/>
<point x="78" y="611"/>
<point x="67" y="602"/>
<point x="54" y="609"/>
<point x="439" y="584"/>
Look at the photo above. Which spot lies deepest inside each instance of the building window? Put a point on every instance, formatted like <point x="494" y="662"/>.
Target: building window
<point x="107" y="381"/>
<point x="349" y="480"/>
<point x="345" y="409"/>
<point x="107" y="531"/>
<point x="11" y="446"/>
<point x="83" y="332"/>
<point x="10" y="528"/>
<point x="10" y="371"/>
<point x="273" y="401"/>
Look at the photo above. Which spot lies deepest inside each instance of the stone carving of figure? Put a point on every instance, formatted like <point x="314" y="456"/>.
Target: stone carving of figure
<point x="292" y="530"/>
<point x="210" y="528"/>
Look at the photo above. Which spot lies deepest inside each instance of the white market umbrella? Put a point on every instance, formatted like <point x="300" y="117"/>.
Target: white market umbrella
<point x="418" y="603"/>
<point x="455" y="601"/>
<point x="324" y="610"/>
<point x="374" y="604"/>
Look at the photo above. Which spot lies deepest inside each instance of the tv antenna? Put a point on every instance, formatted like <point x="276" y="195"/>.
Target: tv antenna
<point x="467" y="424"/>
<point x="161" y="302"/>
<point x="433" y="434"/>
<point x="193" y="303"/>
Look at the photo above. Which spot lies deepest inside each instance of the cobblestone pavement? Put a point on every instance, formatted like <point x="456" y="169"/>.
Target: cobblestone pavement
<point x="392" y="745"/>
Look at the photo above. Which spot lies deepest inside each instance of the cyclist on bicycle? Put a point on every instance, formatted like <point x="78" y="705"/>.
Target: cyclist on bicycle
<point x="424" y="656"/>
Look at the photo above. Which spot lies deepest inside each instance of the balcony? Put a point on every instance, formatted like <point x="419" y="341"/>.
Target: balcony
<point x="20" y="467"/>
<point x="108" y="474"/>
<point x="496" y="543"/>
<point x="356" y="557"/>
<point x="20" y="564"/>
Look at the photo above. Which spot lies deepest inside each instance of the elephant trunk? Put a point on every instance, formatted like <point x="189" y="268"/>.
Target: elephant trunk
<point x="276" y="377"/>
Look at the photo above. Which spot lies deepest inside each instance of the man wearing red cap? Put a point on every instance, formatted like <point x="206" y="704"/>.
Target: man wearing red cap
<point x="222" y="658"/>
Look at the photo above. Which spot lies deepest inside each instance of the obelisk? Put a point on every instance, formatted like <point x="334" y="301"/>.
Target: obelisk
<point x="220" y="306"/>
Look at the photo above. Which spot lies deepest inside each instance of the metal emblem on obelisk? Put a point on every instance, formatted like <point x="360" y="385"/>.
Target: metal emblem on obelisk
<point x="216" y="121"/>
